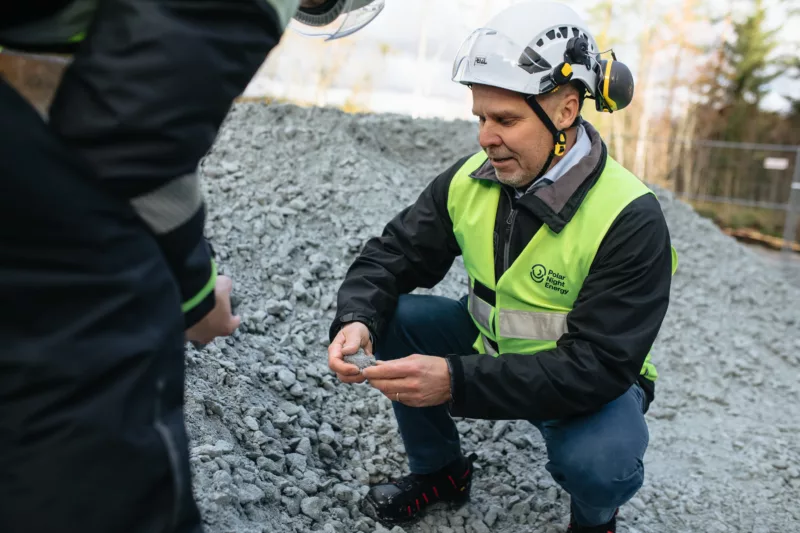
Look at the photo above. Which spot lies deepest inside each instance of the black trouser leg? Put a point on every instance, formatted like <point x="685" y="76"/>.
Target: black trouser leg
<point x="92" y="438"/>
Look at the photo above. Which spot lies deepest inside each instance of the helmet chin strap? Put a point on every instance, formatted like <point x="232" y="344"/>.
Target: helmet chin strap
<point x="559" y="136"/>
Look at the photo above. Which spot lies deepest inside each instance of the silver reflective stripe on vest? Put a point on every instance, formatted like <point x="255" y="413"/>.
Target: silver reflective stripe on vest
<point x="168" y="207"/>
<point x="63" y="27"/>
<point x="488" y="346"/>
<point x="530" y="325"/>
<point x="517" y="324"/>
<point x="479" y="309"/>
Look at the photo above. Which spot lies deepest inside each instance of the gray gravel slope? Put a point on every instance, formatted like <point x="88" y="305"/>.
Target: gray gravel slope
<point x="278" y="445"/>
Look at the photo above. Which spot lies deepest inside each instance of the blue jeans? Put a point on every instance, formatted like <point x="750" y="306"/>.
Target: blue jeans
<point x="596" y="459"/>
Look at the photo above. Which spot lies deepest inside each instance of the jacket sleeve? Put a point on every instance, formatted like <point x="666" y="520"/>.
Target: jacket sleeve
<point x="143" y="100"/>
<point x="613" y="325"/>
<point x="416" y="249"/>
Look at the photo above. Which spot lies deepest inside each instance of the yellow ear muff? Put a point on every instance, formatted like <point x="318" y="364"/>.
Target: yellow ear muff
<point x="615" y="89"/>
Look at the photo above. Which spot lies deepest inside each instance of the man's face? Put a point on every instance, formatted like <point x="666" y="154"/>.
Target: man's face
<point x="511" y="134"/>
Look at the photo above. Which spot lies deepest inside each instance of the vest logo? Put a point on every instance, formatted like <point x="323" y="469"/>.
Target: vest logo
<point x="552" y="280"/>
<point x="538" y="272"/>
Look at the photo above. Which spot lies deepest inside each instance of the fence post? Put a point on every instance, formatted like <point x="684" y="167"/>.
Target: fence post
<point x="792" y="208"/>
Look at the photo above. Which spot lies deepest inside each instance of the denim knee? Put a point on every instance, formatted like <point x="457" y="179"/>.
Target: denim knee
<point x="602" y="477"/>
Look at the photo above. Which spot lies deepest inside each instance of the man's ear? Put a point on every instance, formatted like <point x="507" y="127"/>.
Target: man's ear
<point x="568" y="108"/>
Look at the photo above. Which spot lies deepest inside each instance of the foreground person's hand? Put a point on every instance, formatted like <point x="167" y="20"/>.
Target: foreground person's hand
<point x="220" y="321"/>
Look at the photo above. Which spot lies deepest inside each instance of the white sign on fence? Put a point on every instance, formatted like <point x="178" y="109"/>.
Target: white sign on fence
<point x="776" y="163"/>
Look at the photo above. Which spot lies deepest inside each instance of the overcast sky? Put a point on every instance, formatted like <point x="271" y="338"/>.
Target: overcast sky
<point x="402" y="61"/>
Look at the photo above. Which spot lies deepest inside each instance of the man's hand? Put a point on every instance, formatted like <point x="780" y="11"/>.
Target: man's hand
<point x="347" y="342"/>
<point x="416" y="380"/>
<point x="219" y="322"/>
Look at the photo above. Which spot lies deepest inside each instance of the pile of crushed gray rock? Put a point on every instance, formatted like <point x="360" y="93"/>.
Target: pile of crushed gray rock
<point x="279" y="445"/>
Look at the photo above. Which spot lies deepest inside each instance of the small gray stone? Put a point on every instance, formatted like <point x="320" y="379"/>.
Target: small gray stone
<point x="344" y="493"/>
<point x="326" y="434"/>
<point x="250" y="494"/>
<point x="492" y="514"/>
<point x="500" y="428"/>
<point x="230" y="166"/>
<point x="221" y="447"/>
<point x="637" y="504"/>
<point x="221" y="497"/>
<point x="312" y="507"/>
<point x="295" y="461"/>
<point x="478" y="526"/>
<point x="287" y="377"/>
<point x="304" y="446"/>
<point x="222" y="477"/>
<point x="361" y="360"/>
<point x="290" y="408"/>
<point x="292" y="505"/>
<point x="309" y="483"/>
<point x="326" y="452"/>
<point x="520" y="509"/>
<point x="251" y="422"/>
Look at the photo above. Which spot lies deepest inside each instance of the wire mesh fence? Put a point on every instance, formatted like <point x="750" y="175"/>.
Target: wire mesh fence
<point x="741" y="185"/>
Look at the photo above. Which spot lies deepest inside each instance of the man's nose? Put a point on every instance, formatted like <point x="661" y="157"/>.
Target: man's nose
<point x="487" y="136"/>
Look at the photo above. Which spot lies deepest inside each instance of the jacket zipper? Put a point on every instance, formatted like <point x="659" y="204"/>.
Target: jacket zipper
<point x="512" y="216"/>
<point x="172" y="454"/>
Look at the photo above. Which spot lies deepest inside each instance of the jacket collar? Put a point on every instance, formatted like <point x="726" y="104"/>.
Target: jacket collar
<point x="556" y="203"/>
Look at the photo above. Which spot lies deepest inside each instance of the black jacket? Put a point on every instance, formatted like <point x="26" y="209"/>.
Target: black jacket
<point x="144" y="97"/>
<point x="615" y="320"/>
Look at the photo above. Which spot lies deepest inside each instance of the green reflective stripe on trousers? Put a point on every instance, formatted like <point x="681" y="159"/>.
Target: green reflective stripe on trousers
<point x="66" y="26"/>
<point x="205" y="291"/>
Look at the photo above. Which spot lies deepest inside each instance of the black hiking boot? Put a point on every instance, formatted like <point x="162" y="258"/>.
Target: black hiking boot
<point x="609" y="527"/>
<point x="403" y="500"/>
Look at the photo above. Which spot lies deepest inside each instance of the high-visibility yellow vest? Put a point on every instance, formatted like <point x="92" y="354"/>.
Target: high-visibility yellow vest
<point x="526" y="310"/>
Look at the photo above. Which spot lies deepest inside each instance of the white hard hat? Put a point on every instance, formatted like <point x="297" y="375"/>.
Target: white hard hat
<point x="334" y="19"/>
<point x="535" y="47"/>
<point x="520" y="48"/>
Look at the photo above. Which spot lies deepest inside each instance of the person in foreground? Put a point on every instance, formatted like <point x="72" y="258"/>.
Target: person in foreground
<point x="105" y="271"/>
<point x="569" y="264"/>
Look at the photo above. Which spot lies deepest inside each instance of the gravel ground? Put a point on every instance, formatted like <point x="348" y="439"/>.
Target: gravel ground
<point x="279" y="445"/>
<point x="788" y="264"/>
